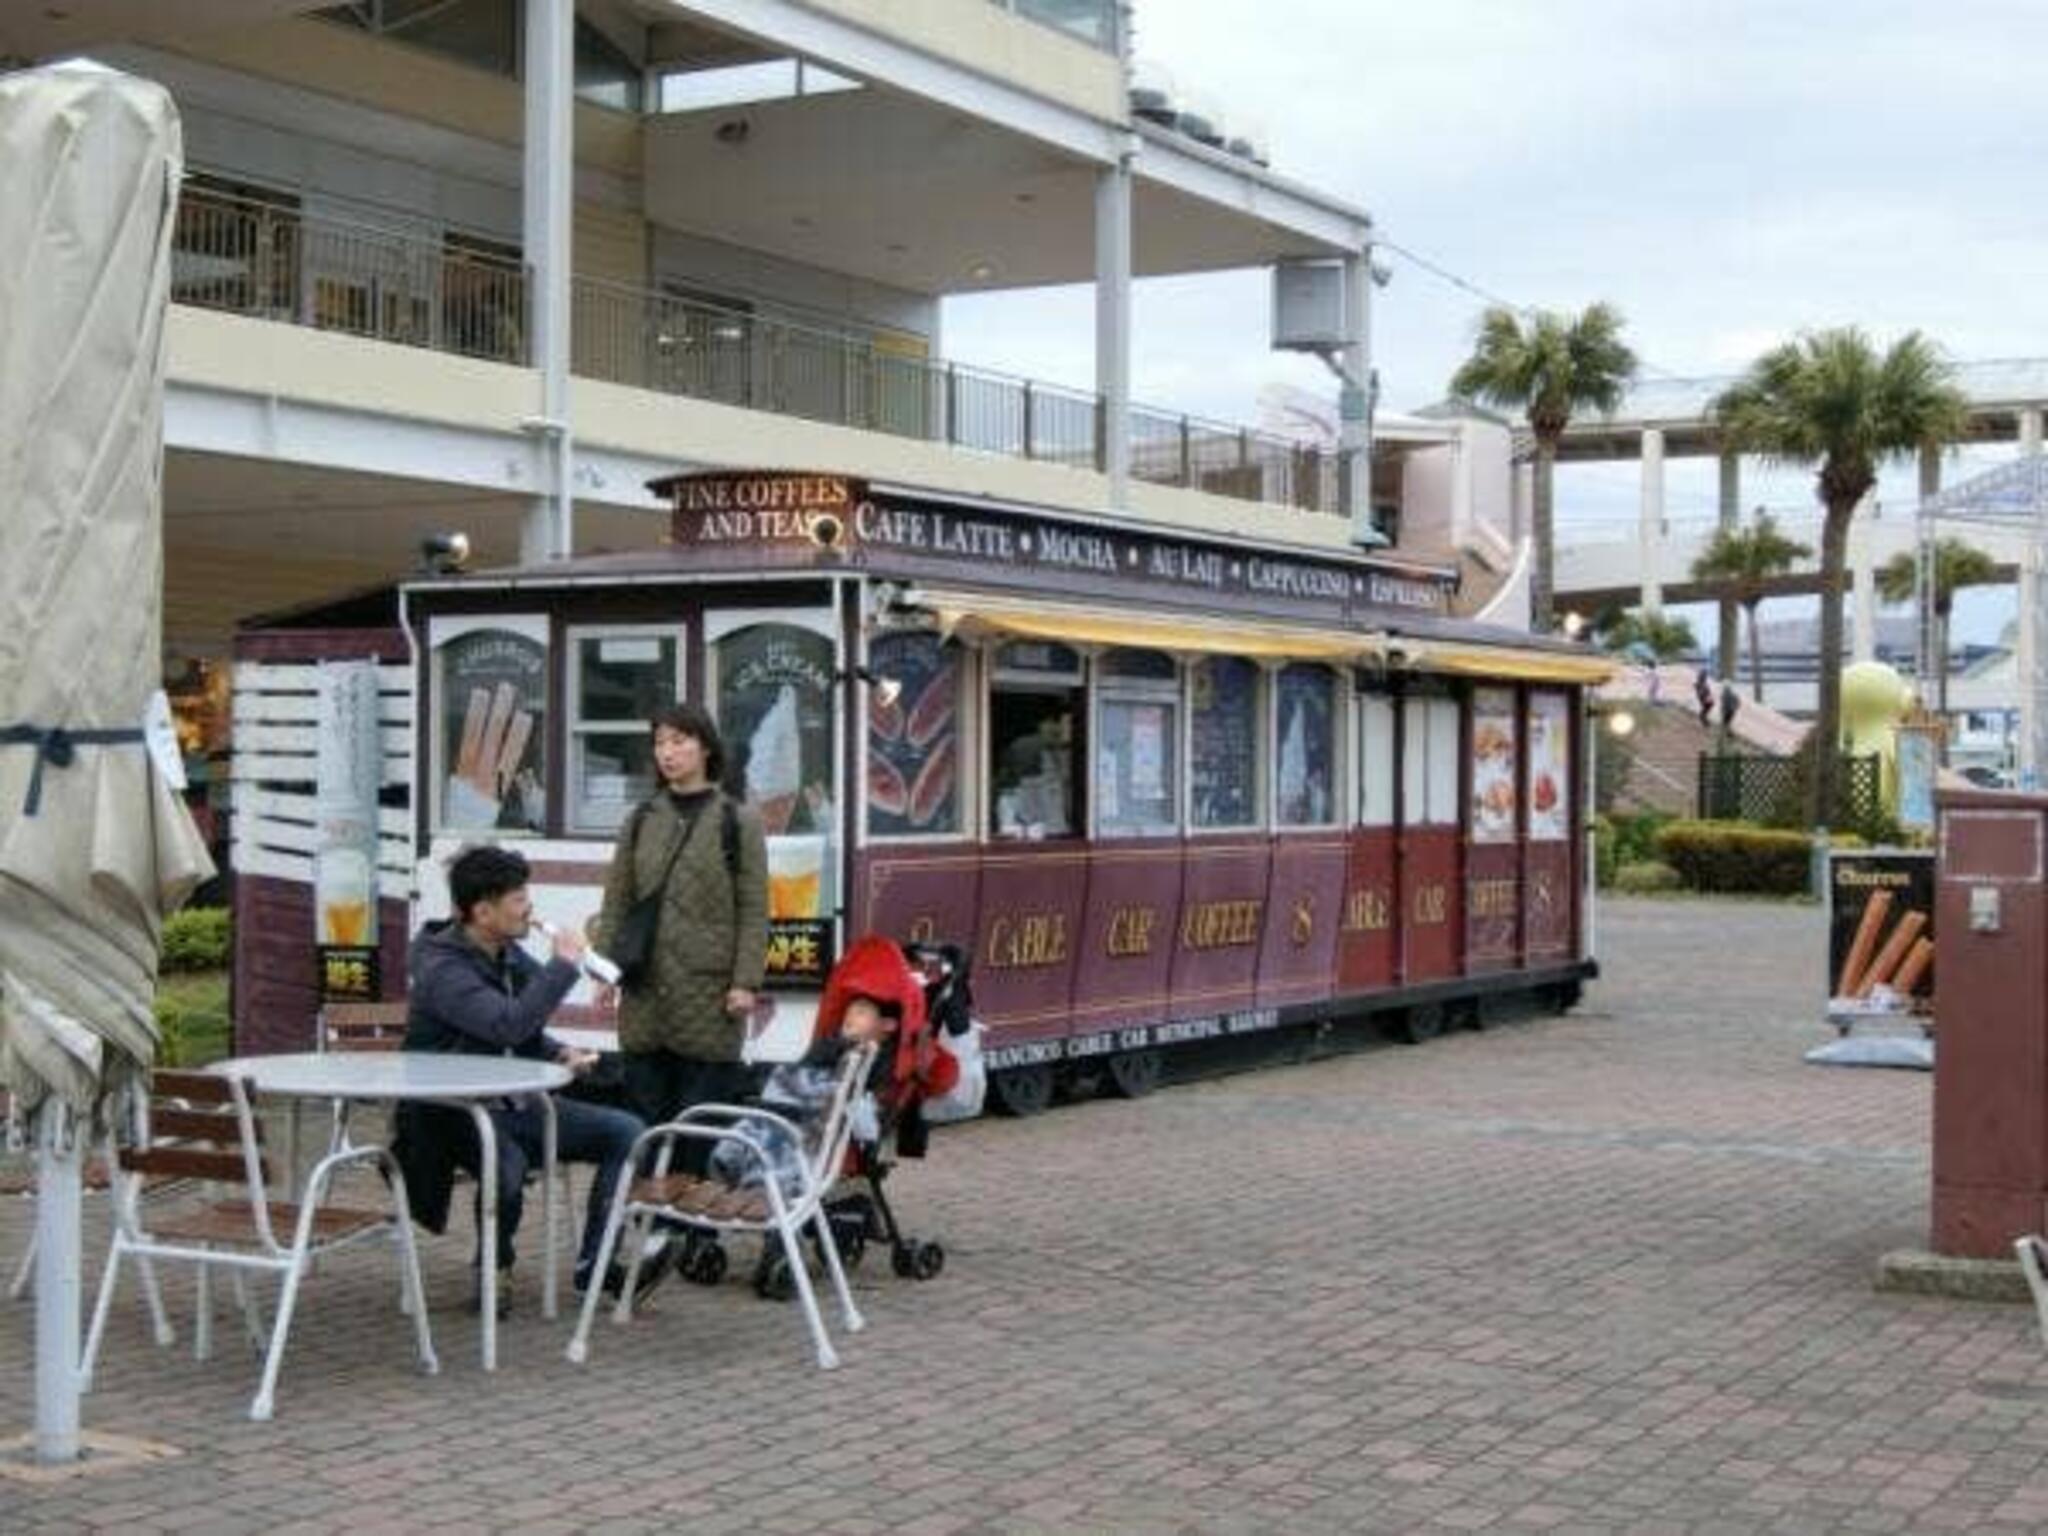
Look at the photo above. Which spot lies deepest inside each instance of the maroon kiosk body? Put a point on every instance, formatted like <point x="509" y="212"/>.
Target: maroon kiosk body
<point x="1161" y="789"/>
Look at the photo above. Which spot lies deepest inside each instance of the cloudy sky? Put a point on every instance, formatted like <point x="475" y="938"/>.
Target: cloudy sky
<point x="1726" y="171"/>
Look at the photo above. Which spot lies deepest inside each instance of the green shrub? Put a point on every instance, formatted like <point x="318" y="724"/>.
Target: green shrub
<point x="1645" y="878"/>
<point x="190" y="1034"/>
<point x="1605" y="859"/>
<point x="197" y="939"/>
<point x="1737" y="856"/>
<point x="1635" y="836"/>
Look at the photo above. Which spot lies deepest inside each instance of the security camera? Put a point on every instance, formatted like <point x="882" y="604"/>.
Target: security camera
<point x="442" y="553"/>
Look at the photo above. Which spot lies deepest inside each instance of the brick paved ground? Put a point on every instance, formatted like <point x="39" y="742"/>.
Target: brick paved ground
<point x="1607" y="1272"/>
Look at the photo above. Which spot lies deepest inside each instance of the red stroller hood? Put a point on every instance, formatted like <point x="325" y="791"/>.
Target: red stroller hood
<point x="876" y="969"/>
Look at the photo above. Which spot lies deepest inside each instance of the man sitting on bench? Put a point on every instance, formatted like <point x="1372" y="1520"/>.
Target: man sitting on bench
<point x="475" y="990"/>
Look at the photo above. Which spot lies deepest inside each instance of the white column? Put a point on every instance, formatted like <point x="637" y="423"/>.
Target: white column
<point x="547" y="221"/>
<point x="1113" y="321"/>
<point x="2030" y="430"/>
<point x="1355" y="403"/>
<point x="1863" y="572"/>
<point x="1650" y="527"/>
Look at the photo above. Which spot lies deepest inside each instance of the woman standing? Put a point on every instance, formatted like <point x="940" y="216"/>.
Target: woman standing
<point x="681" y="1025"/>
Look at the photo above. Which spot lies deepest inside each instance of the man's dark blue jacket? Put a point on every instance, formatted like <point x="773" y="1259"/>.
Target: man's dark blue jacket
<point x="464" y="1000"/>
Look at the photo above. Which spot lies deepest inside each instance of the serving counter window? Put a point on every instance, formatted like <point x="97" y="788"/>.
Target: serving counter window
<point x="1375" y="760"/>
<point x="618" y="677"/>
<point x="1305" y="730"/>
<point x="1223" y="756"/>
<point x="1137" y="744"/>
<point x="1037" y="702"/>
<point x="1429" y="761"/>
<point x="915" y="711"/>
<point x="490" y="691"/>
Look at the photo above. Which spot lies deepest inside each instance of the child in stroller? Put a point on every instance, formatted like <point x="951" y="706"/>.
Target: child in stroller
<point x="877" y="993"/>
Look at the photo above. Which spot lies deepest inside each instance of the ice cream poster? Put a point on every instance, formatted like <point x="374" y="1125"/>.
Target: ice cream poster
<point x="1549" y="752"/>
<point x="914" y="738"/>
<point x="775" y="711"/>
<point x="492" y="706"/>
<point x="1493" y="765"/>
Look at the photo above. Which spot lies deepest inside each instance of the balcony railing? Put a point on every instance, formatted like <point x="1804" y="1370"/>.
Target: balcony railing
<point x="273" y="261"/>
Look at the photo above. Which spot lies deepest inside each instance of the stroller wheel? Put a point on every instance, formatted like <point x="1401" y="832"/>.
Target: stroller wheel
<point x="772" y="1279"/>
<point x="849" y="1234"/>
<point x="927" y="1259"/>
<point x="704" y="1262"/>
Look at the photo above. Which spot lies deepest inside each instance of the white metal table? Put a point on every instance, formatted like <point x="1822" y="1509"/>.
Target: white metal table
<point x="458" y="1081"/>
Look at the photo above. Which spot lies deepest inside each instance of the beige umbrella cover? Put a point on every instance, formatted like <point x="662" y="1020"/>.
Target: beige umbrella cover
<point x="95" y="846"/>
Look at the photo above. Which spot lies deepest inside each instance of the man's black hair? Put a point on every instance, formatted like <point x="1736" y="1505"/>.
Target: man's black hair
<point x="694" y="720"/>
<point x="484" y="874"/>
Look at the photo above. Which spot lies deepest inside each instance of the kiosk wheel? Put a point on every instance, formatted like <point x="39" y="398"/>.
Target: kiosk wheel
<point x="1423" y="1022"/>
<point x="1022" y="1091"/>
<point x="1133" y="1074"/>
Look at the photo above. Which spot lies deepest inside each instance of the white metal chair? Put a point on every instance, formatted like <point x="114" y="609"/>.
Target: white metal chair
<point x="760" y="1206"/>
<point x="197" y="1117"/>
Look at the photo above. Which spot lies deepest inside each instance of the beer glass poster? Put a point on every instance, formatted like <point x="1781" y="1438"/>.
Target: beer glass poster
<point x="492" y="691"/>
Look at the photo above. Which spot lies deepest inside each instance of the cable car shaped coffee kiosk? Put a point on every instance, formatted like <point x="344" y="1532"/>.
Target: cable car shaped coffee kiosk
<point x="1164" y="789"/>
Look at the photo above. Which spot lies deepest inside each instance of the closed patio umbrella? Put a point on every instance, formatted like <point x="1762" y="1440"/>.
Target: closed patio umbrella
<point x="95" y="846"/>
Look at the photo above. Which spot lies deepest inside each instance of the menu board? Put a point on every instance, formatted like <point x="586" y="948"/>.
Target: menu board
<point x="491" y="720"/>
<point x="1223" y="765"/>
<point x="1493" y="765"/>
<point x="914" y="737"/>
<point x="1305" y="773"/>
<point x="1549" y="758"/>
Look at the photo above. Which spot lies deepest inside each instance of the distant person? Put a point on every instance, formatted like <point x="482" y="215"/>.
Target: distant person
<point x="1703" y="690"/>
<point x="1656" y="689"/>
<point x="1731" y="704"/>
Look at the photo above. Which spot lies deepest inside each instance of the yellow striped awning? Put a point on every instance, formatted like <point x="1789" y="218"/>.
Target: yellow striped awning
<point x="1506" y="661"/>
<point x="975" y="615"/>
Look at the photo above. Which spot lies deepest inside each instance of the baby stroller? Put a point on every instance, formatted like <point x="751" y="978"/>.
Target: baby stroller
<point x="923" y="990"/>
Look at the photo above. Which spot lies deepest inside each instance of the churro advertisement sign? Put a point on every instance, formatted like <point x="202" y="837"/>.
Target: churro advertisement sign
<point x="348" y="767"/>
<point x="1881" y="931"/>
<point x="491" y="695"/>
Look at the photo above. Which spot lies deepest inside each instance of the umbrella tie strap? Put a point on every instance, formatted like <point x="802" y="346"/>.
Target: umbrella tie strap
<point x="57" y="746"/>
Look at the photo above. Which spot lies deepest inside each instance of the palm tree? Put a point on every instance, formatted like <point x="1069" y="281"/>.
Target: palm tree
<point x="1662" y="636"/>
<point x="1956" y="565"/>
<point x="1556" y="365"/>
<point x="1830" y="397"/>
<point x="1743" y="562"/>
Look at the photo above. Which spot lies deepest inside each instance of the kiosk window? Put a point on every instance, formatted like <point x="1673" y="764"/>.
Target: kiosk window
<point x="1305" y="757"/>
<point x="618" y="678"/>
<point x="1429" y="769"/>
<point x="914" y="738"/>
<point x="1137" y="746"/>
<point x="1223" y="760"/>
<point x="1035" y="710"/>
<point x="1375" y="760"/>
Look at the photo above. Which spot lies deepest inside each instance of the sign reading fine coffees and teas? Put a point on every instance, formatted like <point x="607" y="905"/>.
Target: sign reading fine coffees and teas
<point x="758" y="512"/>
